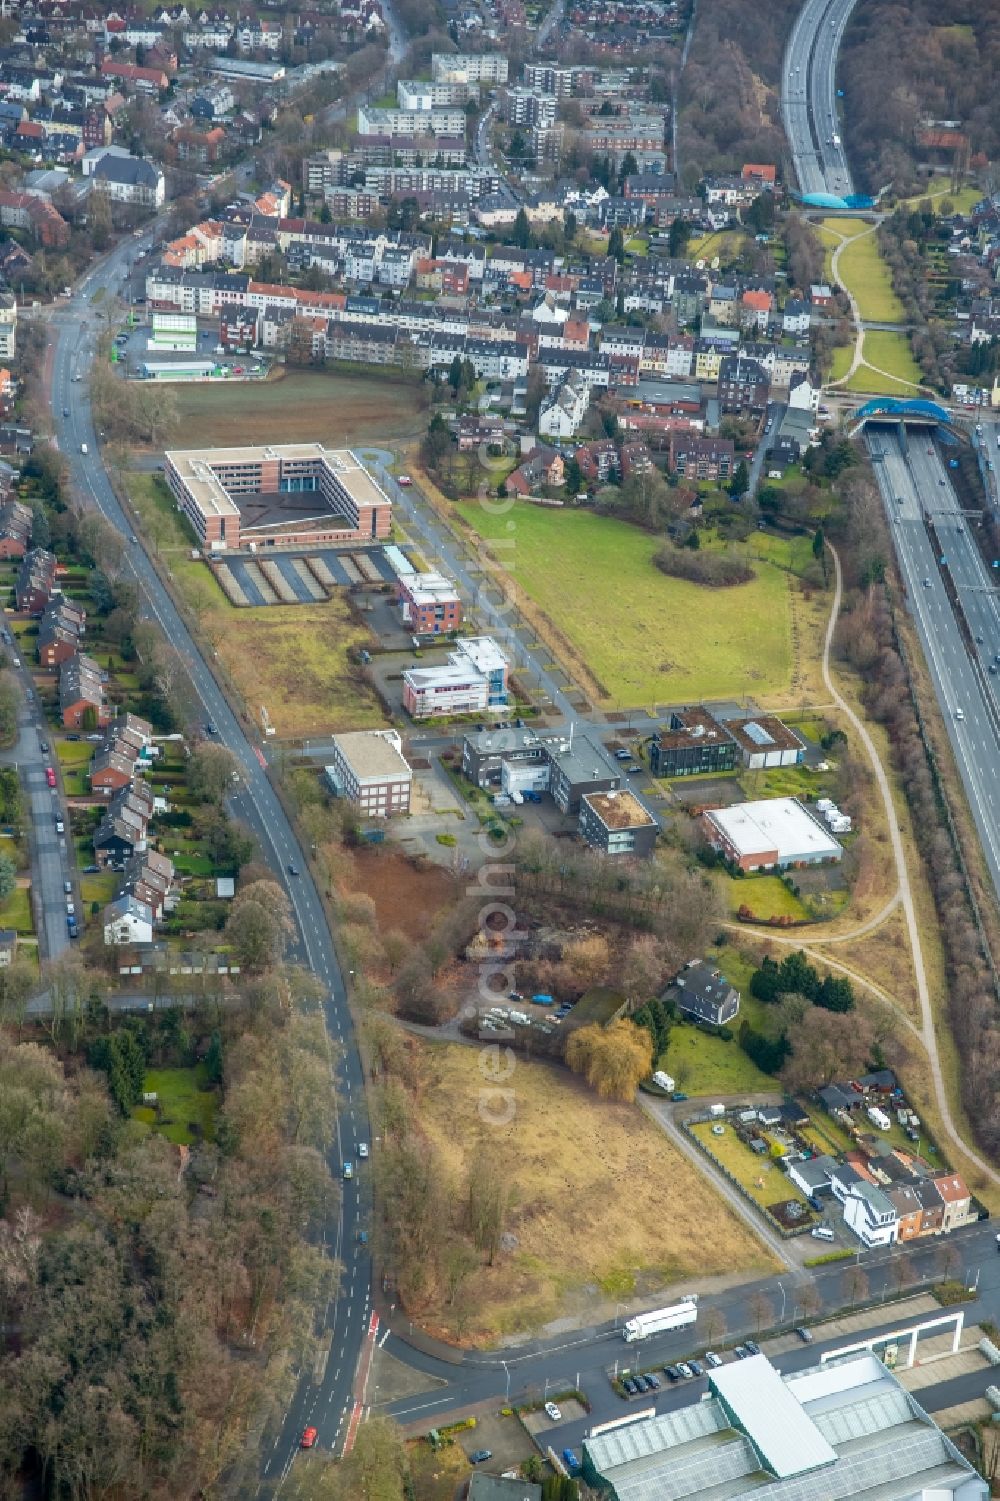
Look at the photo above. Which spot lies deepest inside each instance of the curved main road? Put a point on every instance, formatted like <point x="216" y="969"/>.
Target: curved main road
<point x="809" y="97"/>
<point x="325" y="1404"/>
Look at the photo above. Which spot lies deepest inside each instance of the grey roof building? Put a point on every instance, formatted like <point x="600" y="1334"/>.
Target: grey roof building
<point x="702" y="991"/>
<point x="828" y="1433"/>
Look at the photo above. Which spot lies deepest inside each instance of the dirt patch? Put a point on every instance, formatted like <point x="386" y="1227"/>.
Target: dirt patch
<point x="301" y="406"/>
<point x="407" y="894"/>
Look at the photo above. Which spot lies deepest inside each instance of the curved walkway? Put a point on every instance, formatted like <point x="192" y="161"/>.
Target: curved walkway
<point x="858" y="360"/>
<point x="926" y="1029"/>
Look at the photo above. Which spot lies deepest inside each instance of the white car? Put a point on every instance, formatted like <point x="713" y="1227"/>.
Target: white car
<point x="362" y="1149"/>
<point x="552" y="1411"/>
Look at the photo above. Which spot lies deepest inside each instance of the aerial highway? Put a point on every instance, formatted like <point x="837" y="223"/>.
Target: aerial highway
<point x="327" y="1403"/>
<point x="809" y="97"/>
<point x="916" y="491"/>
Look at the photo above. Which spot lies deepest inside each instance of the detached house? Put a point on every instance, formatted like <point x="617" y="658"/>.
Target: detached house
<point x="127" y="920"/>
<point x="704" y="993"/>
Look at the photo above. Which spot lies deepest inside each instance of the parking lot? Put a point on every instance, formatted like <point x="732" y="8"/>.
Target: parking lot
<point x="131" y="344"/>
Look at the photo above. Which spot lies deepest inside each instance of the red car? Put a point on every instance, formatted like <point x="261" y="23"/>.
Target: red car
<point x="50" y="776"/>
<point x="308" y="1438"/>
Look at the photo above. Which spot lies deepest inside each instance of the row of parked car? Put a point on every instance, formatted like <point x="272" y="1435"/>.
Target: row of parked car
<point x="685" y="1370"/>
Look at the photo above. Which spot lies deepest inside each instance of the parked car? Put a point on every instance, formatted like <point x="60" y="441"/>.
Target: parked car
<point x="630" y="1386"/>
<point x="641" y="1383"/>
<point x="653" y="1381"/>
<point x="571" y="1460"/>
<point x="404" y="480"/>
<point x="741" y="1352"/>
<point x="362" y="1149"/>
<point x="480" y="1456"/>
<point x="671" y="1372"/>
<point x="752" y="1346"/>
<point x="804" y="1334"/>
<point x="711" y="1359"/>
<point x="697" y="1369"/>
<point x="552" y="1411"/>
<point x="685" y="1370"/>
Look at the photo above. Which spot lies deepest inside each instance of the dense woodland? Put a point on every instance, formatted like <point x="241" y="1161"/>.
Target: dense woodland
<point x="946" y="71"/>
<point x="729" y="109"/>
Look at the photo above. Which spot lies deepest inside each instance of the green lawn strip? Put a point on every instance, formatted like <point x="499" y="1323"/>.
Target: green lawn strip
<point x="183" y="1099"/>
<point x="16" y="911"/>
<point x="865" y="274"/>
<point x="891" y="352"/>
<point x="647" y="638"/>
<point x="99" y="888"/>
<point x="870" y="382"/>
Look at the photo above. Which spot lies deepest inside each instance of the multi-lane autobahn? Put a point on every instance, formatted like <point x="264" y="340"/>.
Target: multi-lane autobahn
<point x="809" y="97"/>
<point x="327" y="1403"/>
<point x="942" y="568"/>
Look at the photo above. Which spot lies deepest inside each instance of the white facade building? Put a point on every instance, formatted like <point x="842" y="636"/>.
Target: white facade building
<point x="369" y="769"/>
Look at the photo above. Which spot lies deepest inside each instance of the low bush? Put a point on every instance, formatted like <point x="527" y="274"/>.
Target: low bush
<point x="712" y="569"/>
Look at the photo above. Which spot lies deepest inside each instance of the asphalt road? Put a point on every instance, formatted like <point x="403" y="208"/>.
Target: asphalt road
<point x="52" y="856"/>
<point x="588" y="1359"/>
<point x="965" y="690"/>
<point x="327" y="1404"/>
<point x="809" y="97"/>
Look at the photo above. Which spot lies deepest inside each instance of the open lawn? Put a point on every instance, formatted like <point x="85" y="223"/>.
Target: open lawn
<point x="763" y="1179"/>
<point x="891" y="352"/>
<point x="293" y="659"/>
<point x="98" y="888"/>
<point x="301" y="406"/>
<point x="724" y="243"/>
<point x="646" y="638"/>
<point x="184" y="1101"/>
<point x="600" y="1195"/>
<point x="16" y="911"/>
<point x="841" y="361"/>
<point x="870" y="381"/>
<point x="962" y="202"/>
<point x="766" y="896"/>
<point x="863" y="272"/>
<point x="74" y="753"/>
<point x="705" y="1065"/>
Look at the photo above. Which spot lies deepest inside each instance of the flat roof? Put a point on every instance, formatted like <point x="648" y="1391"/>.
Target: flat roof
<point x="619" y="810"/>
<point x="373" y="754"/>
<point x="428" y="588"/>
<point x="697" y="726"/>
<point x="764" y="732"/>
<point x="482" y="651"/>
<point x="202" y="471"/>
<point x="447" y="675"/>
<point x="776" y="823"/>
<point x="763" y="1407"/>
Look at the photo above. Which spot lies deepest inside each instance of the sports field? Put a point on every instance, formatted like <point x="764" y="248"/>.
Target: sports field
<point x="646" y="638"/>
<point x="301" y="406"/>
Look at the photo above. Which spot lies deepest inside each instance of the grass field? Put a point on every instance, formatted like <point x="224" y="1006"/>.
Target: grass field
<point x="706" y="1065"/>
<point x="301" y="406"/>
<point x="601" y="1197"/>
<point x="766" y="896"/>
<point x="645" y="637"/>
<point x="963" y="201"/>
<point x="891" y="353"/>
<point x="864" y="272"/>
<point x="97" y="888"/>
<point x="184" y="1099"/>
<point x="723" y="243"/>
<point x="868" y="380"/>
<point x="293" y="659"/>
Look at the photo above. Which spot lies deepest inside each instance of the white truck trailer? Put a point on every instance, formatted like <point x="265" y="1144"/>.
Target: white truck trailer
<point x="677" y="1316"/>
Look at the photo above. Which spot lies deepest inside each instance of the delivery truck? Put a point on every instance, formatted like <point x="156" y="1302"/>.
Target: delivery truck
<point x="677" y="1316"/>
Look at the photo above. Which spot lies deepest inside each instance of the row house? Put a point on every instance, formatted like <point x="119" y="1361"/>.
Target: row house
<point x="60" y="631"/>
<point x="743" y="386"/>
<point x="81" y="693"/>
<point x="35" y="582"/>
<point x="149" y="877"/>
<point x="667" y="355"/>
<point x="698" y="458"/>
<point x="16" y="521"/>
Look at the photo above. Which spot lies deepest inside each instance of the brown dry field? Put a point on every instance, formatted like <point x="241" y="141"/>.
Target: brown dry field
<point x="884" y="957"/>
<point x="605" y="1208"/>
<point x="301" y="406"/>
<point x="406" y="896"/>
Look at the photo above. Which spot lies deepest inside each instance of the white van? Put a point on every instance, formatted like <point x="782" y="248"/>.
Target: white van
<point x="83" y="448"/>
<point x="822" y="1232"/>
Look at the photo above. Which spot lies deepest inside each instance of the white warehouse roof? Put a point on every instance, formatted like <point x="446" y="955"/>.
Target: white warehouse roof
<point x="775" y="823"/>
<point x="759" y="1403"/>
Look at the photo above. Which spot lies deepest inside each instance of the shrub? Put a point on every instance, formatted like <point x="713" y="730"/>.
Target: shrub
<point x="712" y="569"/>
